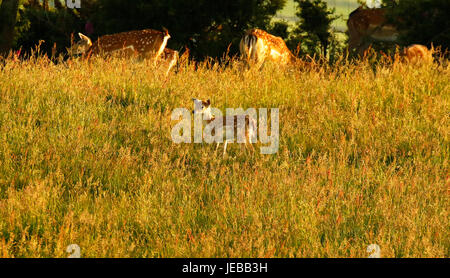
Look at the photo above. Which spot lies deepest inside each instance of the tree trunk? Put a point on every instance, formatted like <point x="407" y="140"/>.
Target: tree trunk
<point x="58" y="5"/>
<point x="325" y="48"/>
<point x="8" y="17"/>
<point x="46" y="6"/>
<point x="34" y="3"/>
<point x="324" y="44"/>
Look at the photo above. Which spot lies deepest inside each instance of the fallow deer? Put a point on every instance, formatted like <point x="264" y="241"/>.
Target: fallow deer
<point x="169" y="58"/>
<point x="369" y="25"/>
<point x="146" y="43"/>
<point x="257" y="46"/>
<point x="417" y="54"/>
<point x="203" y="108"/>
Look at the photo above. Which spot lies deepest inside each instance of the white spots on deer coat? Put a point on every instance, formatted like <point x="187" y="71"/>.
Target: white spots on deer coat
<point x="144" y="41"/>
<point x="257" y="46"/>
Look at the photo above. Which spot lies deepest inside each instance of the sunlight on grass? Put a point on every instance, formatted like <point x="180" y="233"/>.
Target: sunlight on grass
<point x="86" y="158"/>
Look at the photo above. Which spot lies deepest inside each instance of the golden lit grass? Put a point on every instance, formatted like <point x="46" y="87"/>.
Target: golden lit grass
<point x="86" y="158"/>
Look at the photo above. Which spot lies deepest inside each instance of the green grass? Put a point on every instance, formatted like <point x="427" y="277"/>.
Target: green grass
<point x="86" y="158"/>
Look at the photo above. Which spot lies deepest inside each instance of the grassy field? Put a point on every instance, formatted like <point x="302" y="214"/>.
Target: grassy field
<point x="86" y="158"/>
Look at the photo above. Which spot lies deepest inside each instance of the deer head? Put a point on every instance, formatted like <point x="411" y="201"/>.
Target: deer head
<point x="81" y="46"/>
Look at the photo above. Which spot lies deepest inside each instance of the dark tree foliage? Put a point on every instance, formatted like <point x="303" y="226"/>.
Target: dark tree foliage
<point x="421" y="21"/>
<point x="38" y="22"/>
<point x="8" y="17"/>
<point x="207" y="27"/>
<point x="280" y="29"/>
<point x="314" y="27"/>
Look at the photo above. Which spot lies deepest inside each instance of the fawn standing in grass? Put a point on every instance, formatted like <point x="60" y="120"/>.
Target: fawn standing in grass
<point x="231" y="123"/>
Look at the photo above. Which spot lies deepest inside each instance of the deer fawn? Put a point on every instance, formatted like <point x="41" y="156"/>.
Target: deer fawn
<point x="203" y="108"/>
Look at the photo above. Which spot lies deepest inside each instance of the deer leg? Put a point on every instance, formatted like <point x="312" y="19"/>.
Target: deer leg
<point x="248" y="143"/>
<point x="225" y="147"/>
<point x="251" y="146"/>
<point x="363" y="47"/>
<point x="260" y="65"/>
<point x="217" y="147"/>
<point x="355" y="44"/>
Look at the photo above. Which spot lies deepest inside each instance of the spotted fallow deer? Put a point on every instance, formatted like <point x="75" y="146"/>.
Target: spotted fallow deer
<point x="417" y="54"/>
<point x="169" y="59"/>
<point x="257" y="46"/>
<point x="146" y="43"/>
<point x="366" y="26"/>
<point x="234" y="122"/>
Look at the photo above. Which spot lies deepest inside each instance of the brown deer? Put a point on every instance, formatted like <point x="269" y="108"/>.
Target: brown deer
<point x="366" y="26"/>
<point x="169" y="58"/>
<point x="146" y="43"/>
<point x="417" y="54"/>
<point x="248" y="123"/>
<point x="257" y="46"/>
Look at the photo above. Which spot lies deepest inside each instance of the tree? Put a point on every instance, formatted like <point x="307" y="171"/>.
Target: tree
<point x="52" y="25"/>
<point x="208" y="27"/>
<point x="421" y="21"/>
<point x="212" y="25"/>
<point x="8" y="17"/>
<point x="315" y="24"/>
<point x="279" y="28"/>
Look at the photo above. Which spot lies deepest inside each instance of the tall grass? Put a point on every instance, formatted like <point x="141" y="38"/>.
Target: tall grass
<point x="86" y="157"/>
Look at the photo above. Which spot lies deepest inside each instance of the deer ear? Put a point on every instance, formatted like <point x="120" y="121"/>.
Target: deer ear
<point x="85" y="38"/>
<point x="208" y="102"/>
<point x="165" y="31"/>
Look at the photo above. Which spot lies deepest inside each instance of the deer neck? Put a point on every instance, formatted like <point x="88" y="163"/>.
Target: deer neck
<point x="163" y="45"/>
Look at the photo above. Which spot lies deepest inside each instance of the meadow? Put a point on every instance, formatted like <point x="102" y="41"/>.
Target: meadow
<point x="86" y="158"/>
